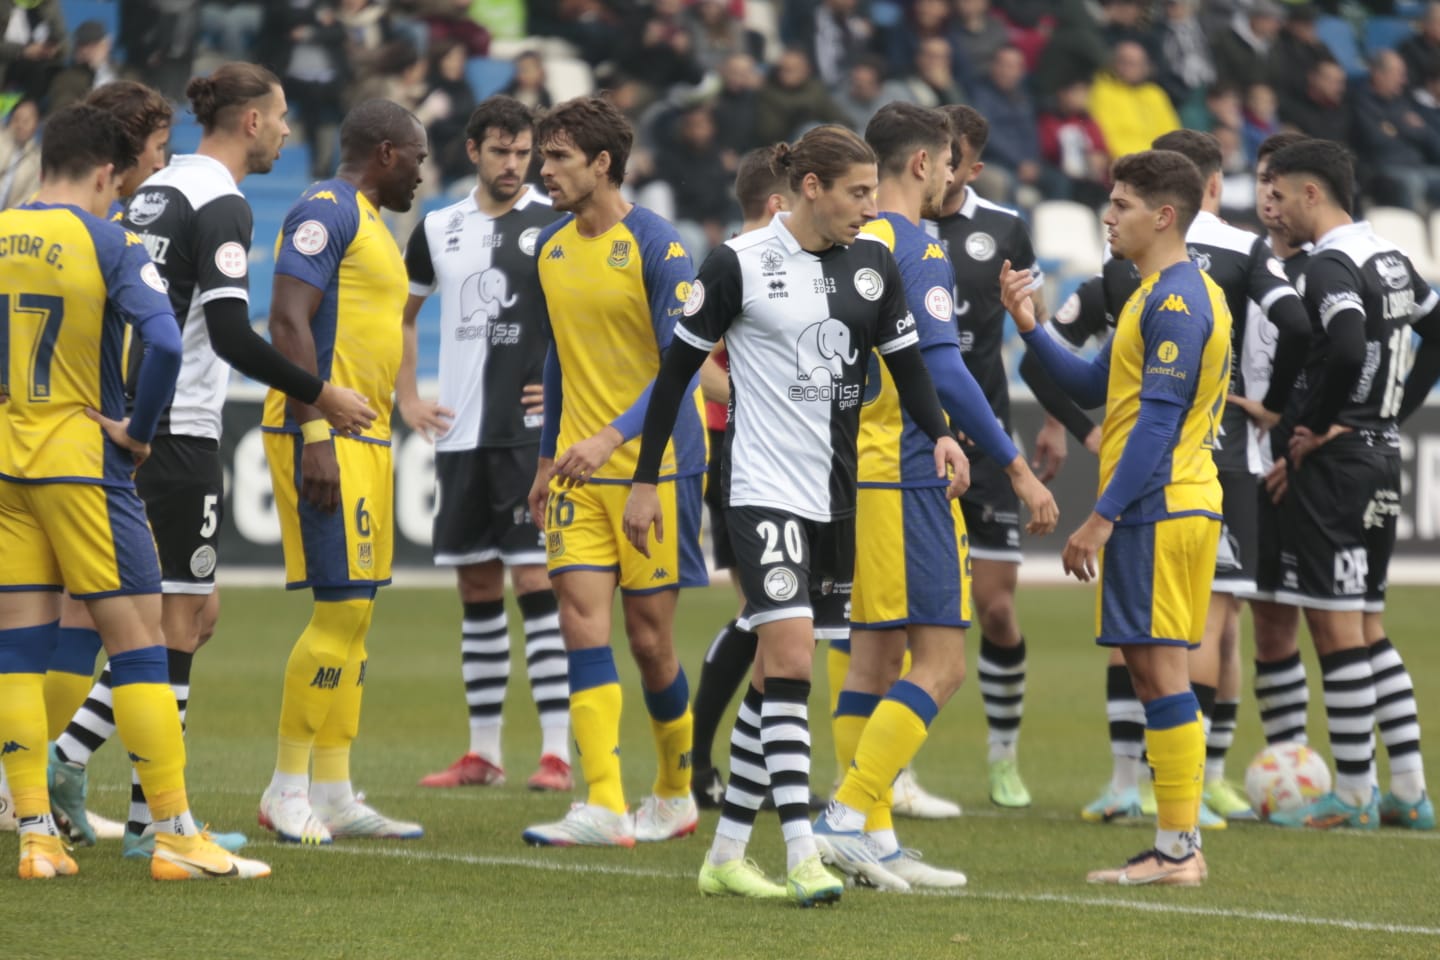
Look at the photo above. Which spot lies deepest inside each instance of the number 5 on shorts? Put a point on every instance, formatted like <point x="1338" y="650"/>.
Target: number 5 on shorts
<point x="209" y="518"/>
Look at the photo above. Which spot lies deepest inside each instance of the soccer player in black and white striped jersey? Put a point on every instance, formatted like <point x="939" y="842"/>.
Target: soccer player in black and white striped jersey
<point x="800" y="305"/>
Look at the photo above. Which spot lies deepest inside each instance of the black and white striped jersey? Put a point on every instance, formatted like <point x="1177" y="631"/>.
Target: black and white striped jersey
<point x="196" y="225"/>
<point x="492" y="315"/>
<point x="799" y="328"/>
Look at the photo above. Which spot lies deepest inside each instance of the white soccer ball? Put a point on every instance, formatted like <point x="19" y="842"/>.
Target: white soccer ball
<point x="1284" y="776"/>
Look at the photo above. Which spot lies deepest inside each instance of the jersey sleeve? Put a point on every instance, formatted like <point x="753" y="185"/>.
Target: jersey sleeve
<point x="314" y="237"/>
<point x="1174" y="336"/>
<point x="133" y="284"/>
<point x="1332" y="287"/>
<point x="896" y="325"/>
<point x="222" y="249"/>
<point x="1083" y="315"/>
<point x="668" y="272"/>
<point x="714" y="300"/>
<point x="418" y="265"/>
<point x="1267" y="282"/>
<point x="929" y="295"/>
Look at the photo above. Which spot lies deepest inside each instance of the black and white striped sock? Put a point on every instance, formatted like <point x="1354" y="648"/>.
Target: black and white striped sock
<point x="785" y="735"/>
<point x="1127" y="728"/>
<point x="1221" y="738"/>
<point x="1350" y="714"/>
<point x="1002" y="687"/>
<point x="748" y="785"/>
<point x="548" y="669"/>
<point x="485" y="665"/>
<point x="1399" y="721"/>
<point x="92" y="725"/>
<point x="1283" y="697"/>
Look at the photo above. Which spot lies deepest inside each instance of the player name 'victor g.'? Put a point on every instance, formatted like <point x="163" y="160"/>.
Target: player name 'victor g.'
<point x="29" y="245"/>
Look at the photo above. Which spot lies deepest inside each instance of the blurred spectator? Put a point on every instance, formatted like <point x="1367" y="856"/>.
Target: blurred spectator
<point x="1322" y="112"/>
<point x="159" y="38"/>
<point x="32" y="49"/>
<point x="231" y="29"/>
<point x="660" y="51"/>
<point x="451" y="20"/>
<point x="1261" y="119"/>
<point x="306" y="47"/>
<point x="1402" y="153"/>
<point x="1124" y="21"/>
<point x="691" y="161"/>
<point x="1071" y="142"/>
<point x="367" y="32"/>
<point x="740" y="82"/>
<point x="976" y="35"/>
<point x="1241" y="52"/>
<point x="1183" y="53"/>
<point x="1014" y="148"/>
<point x="397" y="73"/>
<point x="931" y="81"/>
<point x="833" y="33"/>
<point x="1427" y="101"/>
<point x="593" y="26"/>
<point x="792" y="99"/>
<point x="925" y="19"/>
<point x="1294" y="52"/>
<point x="20" y="155"/>
<point x="528" y="84"/>
<point x="1237" y="176"/>
<point x="1422" y="51"/>
<point x="868" y="91"/>
<point x="448" y="104"/>
<point x="1131" y="110"/>
<point x="718" y="34"/>
<point x="89" y="68"/>
<point x="1076" y="50"/>
<point x="1224" y="107"/>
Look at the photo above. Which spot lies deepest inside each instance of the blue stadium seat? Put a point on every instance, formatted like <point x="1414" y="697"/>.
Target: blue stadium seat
<point x="488" y="76"/>
<point x="1337" y="34"/>
<point x="78" y="11"/>
<point x="1387" y="33"/>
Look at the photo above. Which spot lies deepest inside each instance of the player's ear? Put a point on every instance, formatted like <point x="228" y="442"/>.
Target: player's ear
<point x="472" y="150"/>
<point x="920" y="162"/>
<point x="602" y="163"/>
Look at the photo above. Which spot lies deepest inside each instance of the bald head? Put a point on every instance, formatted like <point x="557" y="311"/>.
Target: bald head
<point x="370" y="124"/>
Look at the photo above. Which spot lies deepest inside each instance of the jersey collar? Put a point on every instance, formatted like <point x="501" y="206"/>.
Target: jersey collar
<point x="970" y="204"/>
<point x="1356" y="229"/>
<point x="783" y="234"/>
<point x="201" y="160"/>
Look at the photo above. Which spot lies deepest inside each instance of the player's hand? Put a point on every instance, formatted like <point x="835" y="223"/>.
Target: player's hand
<point x="347" y="411"/>
<point x="1277" y="481"/>
<point x="1083" y="547"/>
<point x="1092" y="440"/>
<point x="119" y="433"/>
<point x="642" y="509"/>
<point x="1304" y="442"/>
<point x="426" y="417"/>
<point x="1263" y="419"/>
<point x="951" y="461"/>
<point x="1015" y="295"/>
<point x="532" y="399"/>
<point x="1038" y="499"/>
<point x="320" y="476"/>
<point x="578" y="464"/>
<point x="540" y="491"/>
<point x="1051" y="449"/>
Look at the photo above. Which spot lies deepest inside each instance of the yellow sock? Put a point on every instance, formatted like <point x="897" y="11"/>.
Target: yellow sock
<point x="64" y="694"/>
<point x="22" y="731"/>
<point x="837" y="665"/>
<point x="149" y="725"/>
<point x="1177" y="755"/>
<point x="342" y="724"/>
<point x="595" y="702"/>
<point x="314" y="675"/>
<point x="896" y="730"/>
<point x="673" y="740"/>
<point x="882" y="814"/>
<point x="846" y="728"/>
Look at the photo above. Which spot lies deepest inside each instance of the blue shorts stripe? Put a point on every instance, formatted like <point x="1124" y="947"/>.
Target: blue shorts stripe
<point x="136" y="560"/>
<point x="327" y="554"/>
<point x="1127" y="586"/>
<point x="689" y="501"/>
<point x="932" y="558"/>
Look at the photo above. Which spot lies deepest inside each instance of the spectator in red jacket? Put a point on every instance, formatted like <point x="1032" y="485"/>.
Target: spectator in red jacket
<point x="1071" y="142"/>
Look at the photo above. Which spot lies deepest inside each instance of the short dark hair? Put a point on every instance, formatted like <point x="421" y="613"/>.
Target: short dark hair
<point x="1325" y="160"/>
<point x="81" y="137"/>
<point x="505" y="114"/>
<point x="594" y="125"/>
<point x="970" y="126"/>
<point x="1161" y="177"/>
<point x="214" y="99"/>
<point x="828" y="151"/>
<point x="369" y="124"/>
<point x="898" y="129"/>
<point x="756" y="179"/>
<point x="141" y="110"/>
<point x="1202" y="149"/>
<point x="1275" y="143"/>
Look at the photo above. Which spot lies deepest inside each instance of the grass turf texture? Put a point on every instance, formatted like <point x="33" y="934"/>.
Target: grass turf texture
<point x="472" y="888"/>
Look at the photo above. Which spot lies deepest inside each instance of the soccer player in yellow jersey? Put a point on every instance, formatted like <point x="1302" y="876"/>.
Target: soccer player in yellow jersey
<point x="69" y="515"/>
<point x="615" y="278"/>
<point x="1156" y="525"/>
<point x="340" y="289"/>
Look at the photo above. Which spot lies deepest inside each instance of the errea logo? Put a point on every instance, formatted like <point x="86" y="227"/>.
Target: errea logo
<point x="1175" y="303"/>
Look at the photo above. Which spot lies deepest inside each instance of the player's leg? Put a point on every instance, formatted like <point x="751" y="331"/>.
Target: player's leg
<point x="72" y="666"/>
<point x="1221" y="795"/>
<point x="1204" y="668"/>
<point x="84" y="728"/>
<point x="1125" y="715"/>
<point x="547" y="669"/>
<point x="1282" y="694"/>
<point x="1002" y="675"/>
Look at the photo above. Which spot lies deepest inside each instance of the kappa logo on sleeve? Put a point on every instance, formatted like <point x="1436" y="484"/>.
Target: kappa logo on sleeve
<point x="1176" y="304"/>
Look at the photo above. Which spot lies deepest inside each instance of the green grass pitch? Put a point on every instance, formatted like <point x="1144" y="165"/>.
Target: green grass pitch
<point x="472" y="889"/>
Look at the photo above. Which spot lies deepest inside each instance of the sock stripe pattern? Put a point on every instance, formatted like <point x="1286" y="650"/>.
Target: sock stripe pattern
<point x="92" y="725"/>
<point x="1283" y="697"/>
<point x="1125" y="713"/>
<point x="1002" y="687"/>
<point x="1395" y="710"/>
<point x="785" y="735"/>
<point x="485" y="659"/>
<point x="1350" y="713"/>
<point x="749" y="780"/>
<point x="545" y="661"/>
<point x="1222" y="732"/>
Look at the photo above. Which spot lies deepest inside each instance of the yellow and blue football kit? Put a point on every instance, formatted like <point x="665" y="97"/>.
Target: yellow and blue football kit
<point x="334" y="240"/>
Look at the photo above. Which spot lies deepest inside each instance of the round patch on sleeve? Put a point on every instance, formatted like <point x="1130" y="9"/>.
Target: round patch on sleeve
<point x="938" y="301"/>
<point x="1069" y="310"/>
<point x="696" y="299"/>
<point x="230" y="259"/>
<point x="310" y="237"/>
<point x="151" y="275"/>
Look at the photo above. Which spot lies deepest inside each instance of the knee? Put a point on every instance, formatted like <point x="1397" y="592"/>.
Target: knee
<point x="874" y="667"/>
<point x="997" y="620"/>
<point x="651" y="649"/>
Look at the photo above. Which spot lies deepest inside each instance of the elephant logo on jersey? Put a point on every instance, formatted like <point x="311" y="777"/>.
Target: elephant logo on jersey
<point x="485" y="293"/>
<point x="824" y="346"/>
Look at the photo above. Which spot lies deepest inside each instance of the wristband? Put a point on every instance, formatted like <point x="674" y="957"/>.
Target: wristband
<point x="315" y="431"/>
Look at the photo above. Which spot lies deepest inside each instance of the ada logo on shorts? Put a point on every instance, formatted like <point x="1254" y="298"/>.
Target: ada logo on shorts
<point x="781" y="584"/>
<point x="869" y="284"/>
<point x="555" y="545"/>
<point x="202" y="561"/>
<point x="364" y="555"/>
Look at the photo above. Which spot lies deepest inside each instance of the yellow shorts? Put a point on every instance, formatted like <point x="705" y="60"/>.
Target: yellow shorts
<point x="583" y="532"/>
<point x="912" y="559"/>
<point x="351" y="547"/>
<point x="1155" y="582"/>
<point x="91" y="540"/>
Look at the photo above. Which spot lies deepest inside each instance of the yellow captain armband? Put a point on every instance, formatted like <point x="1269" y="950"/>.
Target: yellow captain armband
<point x="315" y="431"/>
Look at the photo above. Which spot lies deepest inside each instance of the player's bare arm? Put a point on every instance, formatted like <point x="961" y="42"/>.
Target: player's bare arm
<point x="578" y="462"/>
<point x="426" y="417"/>
<point x="540" y="490"/>
<point x="119" y="433"/>
<point x="295" y="303"/>
<point x="1081" y="550"/>
<point x="1018" y="297"/>
<point x="642" y="510"/>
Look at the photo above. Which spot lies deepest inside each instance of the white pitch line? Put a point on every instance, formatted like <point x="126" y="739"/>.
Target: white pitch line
<point x="1257" y="916"/>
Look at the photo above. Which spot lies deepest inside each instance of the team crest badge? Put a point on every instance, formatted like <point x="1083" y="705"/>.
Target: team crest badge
<point x="781" y="584"/>
<point x="619" y="254"/>
<point x="527" y="240"/>
<point x="869" y="284"/>
<point x="771" y="261"/>
<point x="364" y="556"/>
<point x="980" y="246"/>
<point x="694" y="299"/>
<point x="555" y="544"/>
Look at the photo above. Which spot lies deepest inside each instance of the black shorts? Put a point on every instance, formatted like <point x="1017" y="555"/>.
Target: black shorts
<point x="1338" y="525"/>
<point x="1235" y="561"/>
<point x="720" y="547"/>
<point x="992" y="513"/>
<point x="482" y="513"/>
<point x="183" y="486"/>
<point x="790" y="567"/>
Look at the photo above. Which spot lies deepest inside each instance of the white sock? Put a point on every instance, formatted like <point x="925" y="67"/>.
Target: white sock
<point x="179" y="826"/>
<point x="290" y="782"/>
<point x="843" y="819"/>
<point x="1177" y="844"/>
<point x="799" y="847"/>
<point x="555" y="738"/>
<point x="886" y="841"/>
<point x="332" y="795"/>
<point x="485" y="738"/>
<point x="1126" y="773"/>
<point x="725" y="849"/>
<point x="43" y="824"/>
